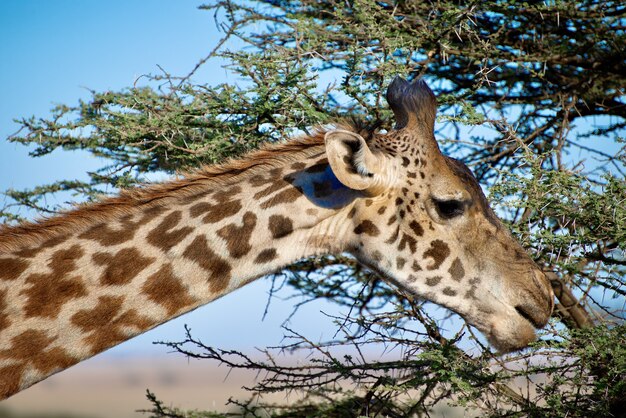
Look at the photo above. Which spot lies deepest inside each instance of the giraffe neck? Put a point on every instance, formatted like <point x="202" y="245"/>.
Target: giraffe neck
<point x="73" y="286"/>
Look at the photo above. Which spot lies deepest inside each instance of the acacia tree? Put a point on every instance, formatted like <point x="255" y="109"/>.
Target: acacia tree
<point x="531" y="97"/>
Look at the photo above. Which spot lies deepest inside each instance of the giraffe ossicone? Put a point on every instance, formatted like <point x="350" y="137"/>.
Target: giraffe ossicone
<point x="74" y="285"/>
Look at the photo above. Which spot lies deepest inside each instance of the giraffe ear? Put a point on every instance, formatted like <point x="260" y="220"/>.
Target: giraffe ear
<point x="352" y="162"/>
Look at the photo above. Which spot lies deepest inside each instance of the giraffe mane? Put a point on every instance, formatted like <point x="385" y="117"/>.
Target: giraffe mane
<point x="32" y="233"/>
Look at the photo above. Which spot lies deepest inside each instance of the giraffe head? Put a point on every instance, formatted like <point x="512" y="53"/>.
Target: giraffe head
<point x="426" y="224"/>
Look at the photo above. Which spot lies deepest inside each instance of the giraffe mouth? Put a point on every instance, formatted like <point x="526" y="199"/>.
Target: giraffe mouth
<point x="525" y="313"/>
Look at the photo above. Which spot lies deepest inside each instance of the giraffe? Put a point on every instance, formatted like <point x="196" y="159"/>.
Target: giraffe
<point x="76" y="284"/>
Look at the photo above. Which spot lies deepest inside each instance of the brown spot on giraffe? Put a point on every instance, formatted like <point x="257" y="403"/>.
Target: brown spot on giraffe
<point x="400" y="262"/>
<point x="280" y="226"/>
<point x="438" y="251"/>
<point x="107" y="235"/>
<point x="32" y="347"/>
<point x="11" y="379"/>
<point x="214" y="213"/>
<point x="216" y="210"/>
<point x="11" y="268"/>
<point x="238" y="237"/>
<point x="448" y="291"/>
<point x="164" y="236"/>
<point x="416" y="228"/>
<point x="286" y="196"/>
<point x="194" y="197"/>
<point x="433" y="281"/>
<point x="272" y="188"/>
<point x="298" y="166"/>
<point x="164" y="288"/>
<point x="106" y="325"/>
<point x="275" y="185"/>
<point x="471" y="293"/>
<point x="201" y="208"/>
<point x="222" y="196"/>
<point x="456" y="270"/>
<point x="54" y="359"/>
<point x="367" y="227"/>
<point x="407" y="240"/>
<point x="122" y="267"/>
<point x="219" y="269"/>
<point x="4" y="317"/>
<point x="49" y="292"/>
<point x="50" y="243"/>
<point x="394" y="236"/>
<point x="266" y="256"/>
<point x="265" y="178"/>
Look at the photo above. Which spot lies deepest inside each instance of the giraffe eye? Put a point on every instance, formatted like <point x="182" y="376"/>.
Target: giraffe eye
<point x="448" y="209"/>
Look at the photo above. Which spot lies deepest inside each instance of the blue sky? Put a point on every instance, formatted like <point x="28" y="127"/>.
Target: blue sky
<point x="52" y="52"/>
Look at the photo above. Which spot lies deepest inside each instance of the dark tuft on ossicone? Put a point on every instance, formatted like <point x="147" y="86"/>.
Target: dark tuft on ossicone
<point x="412" y="104"/>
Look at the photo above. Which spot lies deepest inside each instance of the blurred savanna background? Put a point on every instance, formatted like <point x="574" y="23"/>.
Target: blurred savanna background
<point x="98" y="96"/>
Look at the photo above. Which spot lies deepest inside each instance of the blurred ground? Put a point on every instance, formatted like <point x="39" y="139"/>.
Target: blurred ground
<point x="103" y="388"/>
<point x="115" y="387"/>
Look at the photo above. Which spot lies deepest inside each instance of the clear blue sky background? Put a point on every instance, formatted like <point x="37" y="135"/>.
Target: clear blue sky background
<point x="53" y="51"/>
